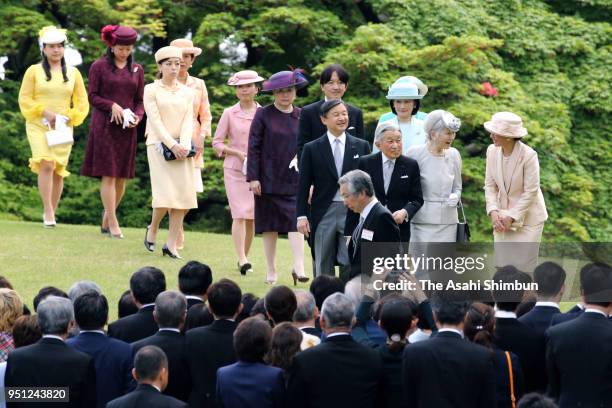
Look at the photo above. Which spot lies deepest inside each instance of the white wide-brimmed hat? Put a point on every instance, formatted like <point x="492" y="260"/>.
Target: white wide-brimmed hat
<point x="506" y="124"/>
<point x="51" y="35"/>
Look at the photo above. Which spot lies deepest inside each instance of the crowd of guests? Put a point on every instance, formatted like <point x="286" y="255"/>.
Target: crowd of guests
<point x="208" y="344"/>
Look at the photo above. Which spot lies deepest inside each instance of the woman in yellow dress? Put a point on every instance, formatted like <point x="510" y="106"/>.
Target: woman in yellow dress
<point x="52" y="96"/>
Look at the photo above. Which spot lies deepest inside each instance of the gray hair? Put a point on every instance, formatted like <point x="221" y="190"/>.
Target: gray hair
<point x="170" y="308"/>
<point x="54" y="315"/>
<point x="386" y="126"/>
<point x="338" y="311"/>
<point x="358" y="181"/>
<point x="81" y="287"/>
<point x="305" y="306"/>
<point x="436" y="122"/>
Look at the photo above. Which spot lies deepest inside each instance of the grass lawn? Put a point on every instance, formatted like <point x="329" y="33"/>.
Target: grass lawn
<point x="32" y="256"/>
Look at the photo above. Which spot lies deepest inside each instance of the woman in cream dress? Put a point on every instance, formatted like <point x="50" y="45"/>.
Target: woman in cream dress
<point x="169" y="108"/>
<point x="515" y="202"/>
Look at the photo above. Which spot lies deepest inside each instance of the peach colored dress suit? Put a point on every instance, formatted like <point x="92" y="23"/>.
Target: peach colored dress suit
<point x="202" y="119"/>
<point x="512" y="187"/>
<point x="234" y="125"/>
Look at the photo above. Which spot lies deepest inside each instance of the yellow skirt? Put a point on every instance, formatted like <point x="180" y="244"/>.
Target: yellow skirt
<point x="59" y="155"/>
<point x="172" y="182"/>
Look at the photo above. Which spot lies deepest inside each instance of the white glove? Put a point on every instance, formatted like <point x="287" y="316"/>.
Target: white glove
<point x="294" y="164"/>
<point x="452" y="200"/>
<point x="244" y="167"/>
<point x="128" y="117"/>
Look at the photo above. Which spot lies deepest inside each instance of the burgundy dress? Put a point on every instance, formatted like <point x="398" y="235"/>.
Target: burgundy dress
<point x="272" y="146"/>
<point x="111" y="150"/>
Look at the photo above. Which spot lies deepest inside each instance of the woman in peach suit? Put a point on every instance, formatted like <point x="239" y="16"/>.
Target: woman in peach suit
<point x="514" y="199"/>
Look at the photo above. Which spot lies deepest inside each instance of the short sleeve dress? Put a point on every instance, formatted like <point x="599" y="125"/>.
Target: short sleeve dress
<point x="65" y="98"/>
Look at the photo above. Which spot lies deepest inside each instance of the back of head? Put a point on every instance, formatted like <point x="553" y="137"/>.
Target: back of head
<point x="126" y="305"/>
<point x="248" y="302"/>
<point x="596" y="284"/>
<point x="146" y="283"/>
<point x="285" y="344"/>
<point x="11" y="307"/>
<point x="4" y="283"/>
<point x="148" y="362"/>
<point x="194" y="278"/>
<point x="507" y="299"/>
<point x="324" y="285"/>
<point x="252" y="339"/>
<point x="338" y="311"/>
<point x="81" y="287"/>
<point x="47" y="291"/>
<point x="224" y="298"/>
<point x="395" y="320"/>
<point x="91" y="311"/>
<point x="170" y="309"/>
<point x="198" y="315"/>
<point x="535" y="400"/>
<point x="306" y="306"/>
<point x="26" y="331"/>
<point x="550" y="278"/>
<point x="280" y="304"/>
<point x="480" y="324"/>
<point x="449" y="311"/>
<point x="54" y="315"/>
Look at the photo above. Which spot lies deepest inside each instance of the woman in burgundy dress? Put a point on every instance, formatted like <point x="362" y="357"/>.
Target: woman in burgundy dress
<point x="272" y="169"/>
<point x="116" y="86"/>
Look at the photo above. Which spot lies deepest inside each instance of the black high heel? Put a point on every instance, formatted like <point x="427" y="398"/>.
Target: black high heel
<point x="166" y="251"/>
<point x="247" y="267"/>
<point x="102" y="229"/>
<point x="149" y="245"/>
<point x="297" y="278"/>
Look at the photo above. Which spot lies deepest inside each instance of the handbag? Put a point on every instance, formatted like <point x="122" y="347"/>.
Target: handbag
<point x="511" y="377"/>
<point x="463" y="229"/>
<point x="169" y="154"/>
<point x="59" y="137"/>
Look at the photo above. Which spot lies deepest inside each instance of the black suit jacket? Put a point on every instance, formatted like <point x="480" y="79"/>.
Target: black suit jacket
<point x="566" y="317"/>
<point x="447" y="371"/>
<point x="404" y="188"/>
<point x="579" y="362"/>
<point x="540" y="317"/>
<point x="529" y="345"/>
<point x="146" y="396"/>
<point x="173" y="344"/>
<point x="317" y="168"/>
<point x="134" y="327"/>
<point x="381" y="223"/>
<point x="337" y="373"/>
<point x="310" y="126"/>
<point x="209" y="348"/>
<point x="52" y="363"/>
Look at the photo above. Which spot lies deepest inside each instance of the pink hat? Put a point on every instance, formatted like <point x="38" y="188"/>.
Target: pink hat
<point x="244" y="77"/>
<point x="506" y="124"/>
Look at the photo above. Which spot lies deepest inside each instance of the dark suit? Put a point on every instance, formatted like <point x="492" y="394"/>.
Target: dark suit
<point x="313" y="331"/>
<point x="245" y="385"/>
<point x="173" y="344"/>
<point x="339" y="372"/>
<point x="209" y="348"/>
<point x="51" y="363"/>
<point x="113" y="361"/>
<point x="134" y="327"/>
<point x="540" y="317"/>
<point x="193" y="301"/>
<point x="310" y="126"/>
<point x="146" y="396"/>
<point x="529" y="345"/>
<point x="566" y="317"/>
<point x="447" y="371"/>
<point x="404" y="190"/>
<point x="381" y="223"/>
<point x="579" y="362"/>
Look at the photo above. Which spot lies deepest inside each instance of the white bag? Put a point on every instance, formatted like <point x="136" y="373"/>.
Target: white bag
<point x="62" y="134"/>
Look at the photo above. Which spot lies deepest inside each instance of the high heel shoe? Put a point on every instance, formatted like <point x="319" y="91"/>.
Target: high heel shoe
<point x="150" y="246"/>
<point x="115" y="236"/>
<point x="271" y="281"/>
<point x="297" y="278"/>
<point x="48" y="224"/>
<point x="166" y="251"/>
<point x="102" y="229"/>
<point x="245" y="268"/>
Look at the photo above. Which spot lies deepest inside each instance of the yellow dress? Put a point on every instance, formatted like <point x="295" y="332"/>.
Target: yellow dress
<point x="65" y="98"/>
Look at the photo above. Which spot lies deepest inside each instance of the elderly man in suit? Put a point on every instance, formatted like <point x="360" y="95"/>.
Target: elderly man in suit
<point x="579" y="352"/>
<point x="339" y="372"/>
<point x="145" y="284"/>
<point x="550" y="278"/>
<point x="112" y="357"/>
<point x="151" y="372"/>
<point x="376" y="223"/>
<point x="50" y="362"/>
<point x="396" y="178"/>
<point x="323" y="162"/>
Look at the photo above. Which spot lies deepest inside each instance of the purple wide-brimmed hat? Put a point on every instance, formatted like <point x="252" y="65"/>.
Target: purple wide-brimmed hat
<point x="285" y="79"/>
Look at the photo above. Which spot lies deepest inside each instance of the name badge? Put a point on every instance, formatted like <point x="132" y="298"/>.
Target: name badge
<point x="367" y="234"/>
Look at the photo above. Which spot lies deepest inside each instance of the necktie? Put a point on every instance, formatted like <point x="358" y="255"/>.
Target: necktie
<point x="387" y="172"/>
<point x="357" y="233"/>
<point x="338" y="157"/>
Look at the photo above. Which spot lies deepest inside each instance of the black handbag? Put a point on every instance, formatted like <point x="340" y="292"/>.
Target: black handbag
<point x="169" y="154"/>
<point x="463" y="229"/>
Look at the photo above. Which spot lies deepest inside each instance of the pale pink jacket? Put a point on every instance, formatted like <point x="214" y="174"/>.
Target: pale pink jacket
<point x="234" y="125"/>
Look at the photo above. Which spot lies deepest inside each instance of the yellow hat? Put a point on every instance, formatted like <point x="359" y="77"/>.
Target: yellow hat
<point x="168" y="52"/>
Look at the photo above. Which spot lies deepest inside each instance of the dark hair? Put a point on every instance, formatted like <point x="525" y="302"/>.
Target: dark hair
<point x="526" y="305"/>
<point x="480" y="324"/>
<point x="224" y="298"/>
<point x="198" y="315"/>
<point x="4" y="283"/>
<point x="110" y="57"/>
<point x="149" y="361"/>
<point x="248" y="301"/>
<point x="280" y="304"/>
<point x="26" y="331"/>
<point x="252" y="340"/>
<point x="126" y="305"/>
<point x="329" y="70"/>
<point x="324" y="285"/>
<point x="259" y="309"/>
<point x="596" y="283"/>
<point x="395" y="319"/>
<point x="377" y="309"/>
<point x="285" y="344"/>
<point x="194" y="278"/>
<point x="91" y="311"/>
<point x="535" y="400"/>
<point x="146" y="283"/>
<point x="47" y="67"/>
<point x="550" y="277"/>
<point x="329" y="105"/>
<point x="159" y="73"/>
<point x="415" y="109"/>
<point x="449" y="311"/>
<point x="48" y="291"/>
<point x="509" y="299"/>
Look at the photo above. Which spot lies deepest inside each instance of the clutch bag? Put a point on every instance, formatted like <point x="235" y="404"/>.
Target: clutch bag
<point x="169" y="154"/>
<point x="59" y="137"/>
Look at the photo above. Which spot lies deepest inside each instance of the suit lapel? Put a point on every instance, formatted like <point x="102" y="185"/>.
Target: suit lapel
<point x="398" y="170"/>
<point x="515" y="159"/>
<point x="377" y="177"/>
<point x="500" y="170"/>
<point x="350" y="150"/>
<point x="328" y="156"/>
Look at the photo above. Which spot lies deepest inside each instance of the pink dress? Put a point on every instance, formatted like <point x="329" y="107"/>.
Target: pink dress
<point x="202" y="119"/>
<point x="235" y="125"/>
